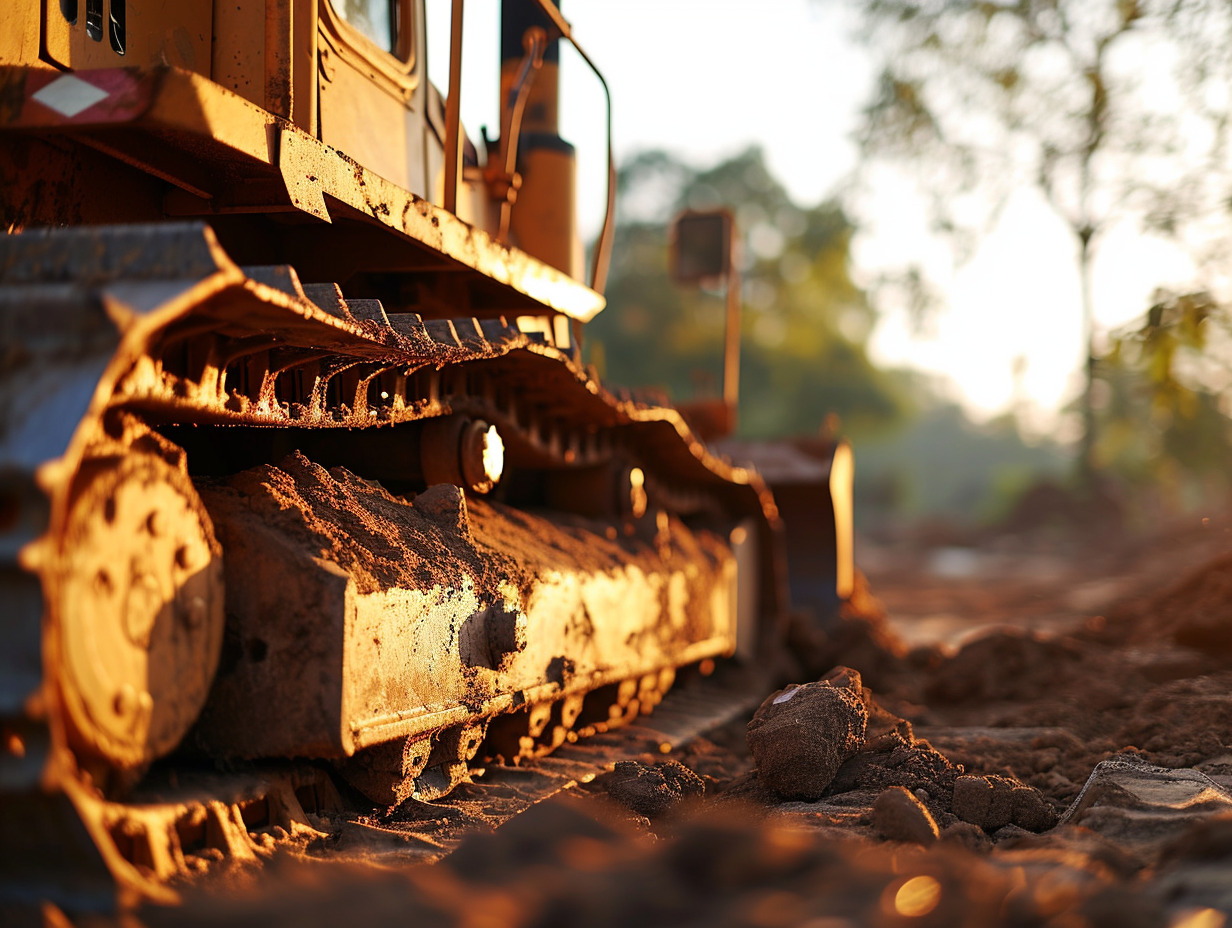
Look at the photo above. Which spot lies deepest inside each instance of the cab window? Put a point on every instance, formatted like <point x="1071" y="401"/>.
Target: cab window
<point x="377" y="20"/>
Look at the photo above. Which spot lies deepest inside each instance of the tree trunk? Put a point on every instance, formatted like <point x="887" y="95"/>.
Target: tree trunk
<point x="1086" y="446"/>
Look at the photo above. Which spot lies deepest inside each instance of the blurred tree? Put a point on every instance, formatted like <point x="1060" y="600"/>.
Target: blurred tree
<point x="1111" y="109"/>
<point x="805" y="323"/>
<point x="1162" y="408"/>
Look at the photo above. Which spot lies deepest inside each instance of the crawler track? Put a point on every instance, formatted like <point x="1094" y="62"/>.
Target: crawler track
<point x="143" y="356"/>
<point x="189" y="828"/>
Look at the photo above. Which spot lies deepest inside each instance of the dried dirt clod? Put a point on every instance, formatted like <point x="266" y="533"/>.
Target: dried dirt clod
<point x="446" y="505"/>
<point x="801" y="735"/>
<point x="964" y="834"/>
<point x="1031" y="810"/>
<point x="651" y="790"/>
<point x="898" y="815"/>
<point x="992" y="802"/>
<point x="983" y="801"/>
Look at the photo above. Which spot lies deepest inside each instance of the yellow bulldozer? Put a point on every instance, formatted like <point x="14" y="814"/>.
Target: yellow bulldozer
<point x="299" y="457"/>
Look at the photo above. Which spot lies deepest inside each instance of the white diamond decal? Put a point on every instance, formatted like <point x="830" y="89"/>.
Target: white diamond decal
<point x="69" y="95"/>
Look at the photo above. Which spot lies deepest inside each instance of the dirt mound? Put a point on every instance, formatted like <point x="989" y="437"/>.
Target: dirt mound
<point x="382" y="541"/>
<point x="1195" y="613"/>
<point x="1007" y="664"/>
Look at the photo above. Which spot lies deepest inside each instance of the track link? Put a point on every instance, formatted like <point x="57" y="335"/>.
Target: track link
<point x="185" y="828"/>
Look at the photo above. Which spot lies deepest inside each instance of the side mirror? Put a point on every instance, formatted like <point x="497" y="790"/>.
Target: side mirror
<point x="702" y="246"/>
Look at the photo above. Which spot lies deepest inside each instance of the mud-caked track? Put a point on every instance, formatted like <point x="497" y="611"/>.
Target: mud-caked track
<point x="248" y="517"/>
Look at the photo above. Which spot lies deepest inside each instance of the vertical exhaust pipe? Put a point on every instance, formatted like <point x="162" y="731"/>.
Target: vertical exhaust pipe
<point x="544" y="218"/>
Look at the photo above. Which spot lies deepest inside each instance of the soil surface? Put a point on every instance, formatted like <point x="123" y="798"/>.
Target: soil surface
<point x="1020" y="730"/>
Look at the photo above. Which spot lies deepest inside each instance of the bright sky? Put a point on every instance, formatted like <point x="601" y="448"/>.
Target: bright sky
<point x="705" y="78"/>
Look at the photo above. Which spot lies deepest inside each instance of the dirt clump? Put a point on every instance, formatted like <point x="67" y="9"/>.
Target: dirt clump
<point x="801" y="735"/>
<point x="652" y="789"/>
<point x="992" y="802"/>
<point x="381" y="541"/>
<point x="899" y="815"/>
<point x="893" y="760"/>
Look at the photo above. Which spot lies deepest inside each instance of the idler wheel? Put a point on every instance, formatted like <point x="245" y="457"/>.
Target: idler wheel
<point x="140" y="607"/>
<point x="466" y="452"/>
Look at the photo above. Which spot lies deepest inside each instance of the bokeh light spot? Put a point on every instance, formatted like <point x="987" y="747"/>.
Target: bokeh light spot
<point x="918" y="896"/>
<point x="1200" y="918"/>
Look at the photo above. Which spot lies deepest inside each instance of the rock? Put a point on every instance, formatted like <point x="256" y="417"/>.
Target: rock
<point x="801" y="735"/>
<point x="898" y="815"/>
<point x="652" y="790"/>
<point x="445" y="504"/>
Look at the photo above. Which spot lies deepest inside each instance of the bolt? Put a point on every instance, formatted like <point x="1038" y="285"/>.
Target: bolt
<point x="194" y="611"/>
<point x="132" y="704"/>
<point x="142" y="606"/>
<point x="124" y="701"/>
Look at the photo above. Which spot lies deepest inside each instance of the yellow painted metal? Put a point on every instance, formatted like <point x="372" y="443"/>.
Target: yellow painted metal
<point x="239" y="52"/>
<point x="842" y="473"/>
<point x="266" y="52"/>
<point x="544" y="219"/>
<point x="156" y="32"/>
<point x="372" y="102"/>
<point x="312" y="170"/>
<point x="20" y="24"/>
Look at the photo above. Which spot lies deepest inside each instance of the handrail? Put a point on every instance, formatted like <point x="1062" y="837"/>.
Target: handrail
<point x="453" y="111"/>
<point x="453" y="134"/>
<point x="601" y="258"/>
<point x="534" y="43"/>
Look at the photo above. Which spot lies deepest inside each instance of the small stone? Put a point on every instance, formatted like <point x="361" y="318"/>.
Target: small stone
<point x="445" y="504"/>
<point x="801" y="735"/>
<point x="899" y="816"/>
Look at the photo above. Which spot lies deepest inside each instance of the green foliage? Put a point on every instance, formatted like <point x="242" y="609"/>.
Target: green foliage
<point x="804" y="323"/>
<point x="1164" y="421"/>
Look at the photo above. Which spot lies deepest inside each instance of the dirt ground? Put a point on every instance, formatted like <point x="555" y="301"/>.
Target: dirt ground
<point x="1033" y="730"/>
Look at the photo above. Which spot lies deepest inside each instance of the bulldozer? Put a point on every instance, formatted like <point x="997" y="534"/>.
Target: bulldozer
<point x="299" y="456"/>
